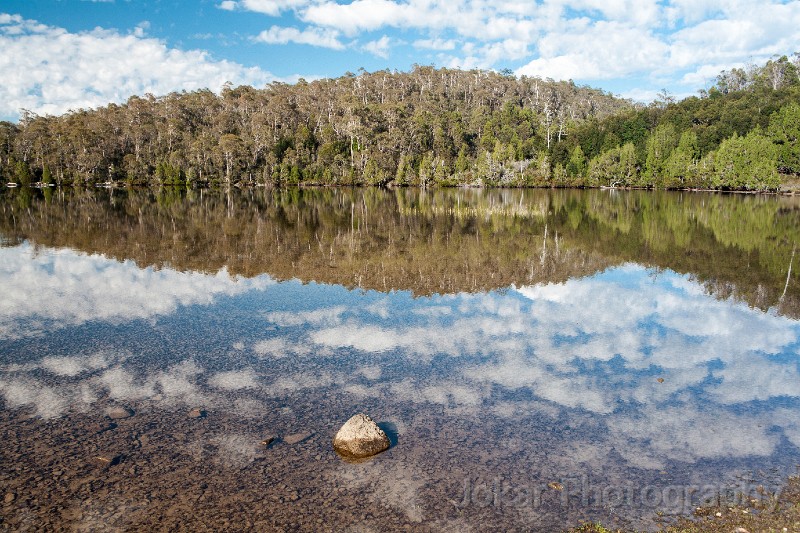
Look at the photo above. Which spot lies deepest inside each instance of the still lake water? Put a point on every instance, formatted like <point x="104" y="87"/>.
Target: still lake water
<point x="538" y="358"/>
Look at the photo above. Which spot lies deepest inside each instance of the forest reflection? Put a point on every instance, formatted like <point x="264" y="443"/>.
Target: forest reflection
<point x="428" y="241"/>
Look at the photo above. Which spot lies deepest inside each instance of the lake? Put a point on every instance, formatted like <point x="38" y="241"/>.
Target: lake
<point x="537" y="357"/>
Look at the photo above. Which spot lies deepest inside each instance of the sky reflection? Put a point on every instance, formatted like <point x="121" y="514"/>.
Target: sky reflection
<point x="53" y="288"/>
<point x="666" y="372"/>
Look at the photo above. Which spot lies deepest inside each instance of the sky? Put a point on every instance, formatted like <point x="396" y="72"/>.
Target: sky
<point x="57" y="55"/>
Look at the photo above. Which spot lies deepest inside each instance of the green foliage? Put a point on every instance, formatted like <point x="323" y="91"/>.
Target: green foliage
<point x="22" y="173"/>
<point x="676" y="144"/>
<point x="374" y="175"/>
<point x="784" y="130"/>
<point x="167" y="174"/>
<point x="47" y="176"/>
<point x="660" y="145"/>
<point x="748" y="163"/>
<point x="560" y="178"/>
<point x="614" y="168"/>
<point x="679" y="169"/>
<point x="349" y="130"/>
<point x="576" y="166"/>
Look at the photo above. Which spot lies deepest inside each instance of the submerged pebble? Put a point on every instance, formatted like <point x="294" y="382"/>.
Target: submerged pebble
<point x="196" y="413"/>
<point x="119" y="412"/>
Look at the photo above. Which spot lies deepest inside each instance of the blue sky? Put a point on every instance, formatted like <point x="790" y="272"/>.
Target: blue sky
<point x="68" y="54"/>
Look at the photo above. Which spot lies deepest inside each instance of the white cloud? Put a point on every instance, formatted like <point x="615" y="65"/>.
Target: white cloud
<point x="312" y="36"/>
<point x="49" y="70"/>
<point x="641" y="95"/>
<point x="435" y="44"/>
<point x="48" y="402"/>
<point x="693" y="11"/>
<point x="643" y="46"/>
<point x="359" y="15"/>
<point x="755" y="379"/>
<point x="236" y="450"/>
<point x="124" y="385"/>
<point x="686" y="433"/>
<point x="596" y="51"/>
<point x="272" y="8"/>
<point x="426" y="341"/>
<point x="46" y="288"/>
<point x="276" y="347"/>
<point x="379" y="48"/>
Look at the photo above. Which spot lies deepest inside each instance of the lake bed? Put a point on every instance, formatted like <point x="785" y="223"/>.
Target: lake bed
<point x="538" y="358"/>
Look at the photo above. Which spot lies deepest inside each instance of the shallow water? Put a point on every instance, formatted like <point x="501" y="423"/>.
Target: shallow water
<point x="538" y="358"/>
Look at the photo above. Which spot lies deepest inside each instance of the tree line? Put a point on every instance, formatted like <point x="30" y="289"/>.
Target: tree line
<point x="741" y="134"/>
<point x="426" y="127"/>
<point x="421" y="127"/>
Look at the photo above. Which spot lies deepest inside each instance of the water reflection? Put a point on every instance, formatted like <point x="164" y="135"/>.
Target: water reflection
<point x="49" y="289"/>
<point x="578" y="363"/>
<point x="444" y="241"/>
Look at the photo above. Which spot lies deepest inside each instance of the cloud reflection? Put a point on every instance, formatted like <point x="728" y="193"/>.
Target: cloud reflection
<point x="597" y="345"/>
<point x="45" y="289"/>
<point x="664" y="371"/>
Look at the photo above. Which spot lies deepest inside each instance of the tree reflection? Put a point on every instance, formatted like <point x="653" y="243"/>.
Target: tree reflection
<point x="439" y="241"/>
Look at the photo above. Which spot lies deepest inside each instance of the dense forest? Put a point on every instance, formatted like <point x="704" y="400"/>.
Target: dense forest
<point x="426" y="127"/>
<point x="741" y="134"/>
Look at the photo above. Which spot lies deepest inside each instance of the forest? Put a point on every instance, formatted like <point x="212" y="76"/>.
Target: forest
<point x="427" y="127"/>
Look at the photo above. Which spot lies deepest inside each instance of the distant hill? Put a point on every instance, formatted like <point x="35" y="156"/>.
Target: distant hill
<point x="426" y="127"/>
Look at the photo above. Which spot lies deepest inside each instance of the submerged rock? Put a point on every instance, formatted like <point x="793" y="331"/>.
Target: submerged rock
<point x="102" y="427"/>
<point x="108" y="459"/>
<point x="119" y="412"/>
<point x="359" y="438"/>
<point x="197" y="413"/>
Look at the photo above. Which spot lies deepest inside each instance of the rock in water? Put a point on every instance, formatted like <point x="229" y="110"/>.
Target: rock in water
<point x="119" y="412"/>
<point x="197" y="413"/>
<point x="360" y="437"/>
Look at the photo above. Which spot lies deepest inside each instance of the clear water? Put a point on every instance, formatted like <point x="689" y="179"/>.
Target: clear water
<point x="537" y="358"/>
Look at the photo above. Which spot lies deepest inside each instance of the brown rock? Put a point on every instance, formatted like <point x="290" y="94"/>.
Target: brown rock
<point x="105" y="426"/>
<point x="359" y="438"/>
<point x="10" y="497"/>
<point x="197" y="413"/>
<point x="119" y="412"/>
<point x="107" y="459"/>
<point x="267" y="441"/>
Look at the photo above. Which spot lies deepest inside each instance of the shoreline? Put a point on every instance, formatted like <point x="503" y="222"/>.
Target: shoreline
<point x="239" y="185"/>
